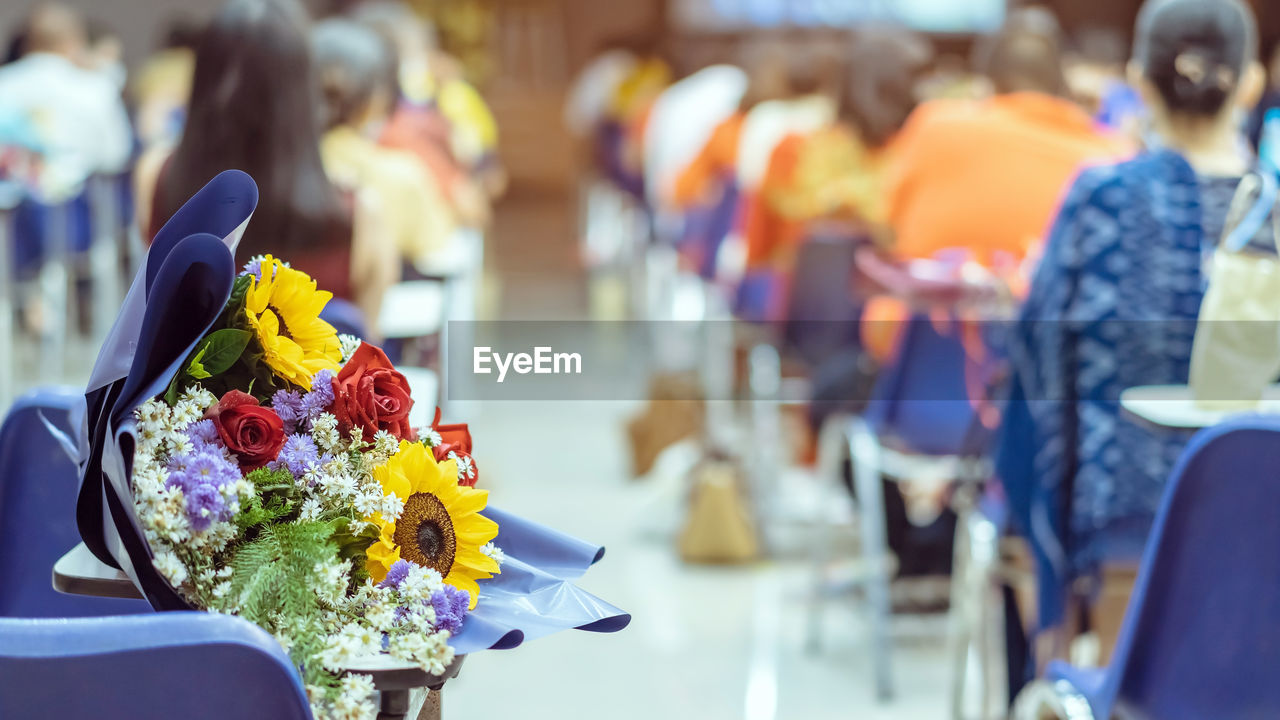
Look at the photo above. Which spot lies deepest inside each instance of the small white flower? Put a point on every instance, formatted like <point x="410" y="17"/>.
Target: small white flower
<point x="349" y="343"/>
<point x="430" y="437"/>
<point x="368" y="503"/>
<point x="421" y="582"/>
<point x="466" y="468"/>
<point x="494" y="552"/>
<point x="381" y="617"/>
<point x="200" y="397"/>
<point x="153" y="412"/>
<point x="170" y="567"/>
<point x="392" y="507"/>
<point x="430" y="651"/>
<point x="324" y="430"/>
<point x="179" y="444"/>
<point x="311" y="509"/>
<point x="185" y="413"/>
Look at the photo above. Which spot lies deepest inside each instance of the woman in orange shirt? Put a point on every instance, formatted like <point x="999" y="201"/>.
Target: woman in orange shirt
<point x="833" y="176"/>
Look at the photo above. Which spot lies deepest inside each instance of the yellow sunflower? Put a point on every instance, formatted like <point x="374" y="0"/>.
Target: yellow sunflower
<point x="284" y="311"/>
<point x="441" y="526"/>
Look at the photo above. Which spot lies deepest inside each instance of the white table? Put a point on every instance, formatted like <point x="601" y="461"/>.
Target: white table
<point x="79" y="572"/>
<point x="1173" y="406"/>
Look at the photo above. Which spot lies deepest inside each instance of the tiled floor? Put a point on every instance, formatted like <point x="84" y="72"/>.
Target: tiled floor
<point x="705" y="643"/>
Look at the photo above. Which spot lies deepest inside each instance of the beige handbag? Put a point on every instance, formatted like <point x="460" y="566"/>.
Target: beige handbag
<point x="720" y="526"/>
<point x="1237" y="344"/>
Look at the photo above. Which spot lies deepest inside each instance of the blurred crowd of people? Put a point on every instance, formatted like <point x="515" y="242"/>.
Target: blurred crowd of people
<point x="370" y="149"/>
<point x="1069" y="185"/>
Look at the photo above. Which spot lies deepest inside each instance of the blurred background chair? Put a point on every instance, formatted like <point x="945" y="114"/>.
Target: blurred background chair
<point x="920" y="424"/>
<point x="1199" y="638"/>
<point x="38" y="486"/>
<point x="194" y="665"/>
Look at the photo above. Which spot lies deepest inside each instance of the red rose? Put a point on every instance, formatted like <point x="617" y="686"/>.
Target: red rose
<point x="371" y="394"/>
<point x="456" y="439"/>
<point x="254" y="433"/>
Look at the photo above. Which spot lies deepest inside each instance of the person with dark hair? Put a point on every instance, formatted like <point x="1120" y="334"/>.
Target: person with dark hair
<point x="986" y="176"/>
<point x="77" y="113"/>
<point x="357" y="69"/>
<point x="835" y="172"/>
<point x="1114" y="301"/>
<point x="254" y="107"/>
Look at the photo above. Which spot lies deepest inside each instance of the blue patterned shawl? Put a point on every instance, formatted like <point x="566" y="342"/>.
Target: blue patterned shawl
<point x="1113" y="305"/>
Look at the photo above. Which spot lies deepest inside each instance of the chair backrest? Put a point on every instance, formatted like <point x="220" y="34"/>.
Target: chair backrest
<point x="191" y="665"/>
<point x="38" y="486"/>
<point x="1200" y="638"/>
<point x="922" y="398"/>
<point x="345" y="317"/>
<point x="821" y="312"/>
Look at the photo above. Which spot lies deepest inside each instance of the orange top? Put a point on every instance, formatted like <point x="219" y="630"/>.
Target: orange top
<point x="987" y="176"/>
<point x="425" y="133"/>
<point x="824" y="175"/>
<point x="717" y="159"/>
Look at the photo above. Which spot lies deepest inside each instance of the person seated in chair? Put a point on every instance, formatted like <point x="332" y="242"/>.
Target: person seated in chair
<point x="358" y="81"/>
<point x="986" y="176"/>
<point x="1114" y="301"/>
<point x="253" y="109"/>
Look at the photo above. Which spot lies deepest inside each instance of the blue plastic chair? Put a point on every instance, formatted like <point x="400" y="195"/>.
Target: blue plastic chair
<point x="345" y="317"/>
<point x="39" y="228"/>
<point x="919" y="421"/>
<point x="1200" y="638"/>
<point x="921" y="400"/>
<point x="38" y="485"/>
<point x="191" y="665"/>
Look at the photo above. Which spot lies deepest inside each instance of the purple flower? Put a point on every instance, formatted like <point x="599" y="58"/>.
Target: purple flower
<point x="204" y="505"/>
<point x="289" y="406"/>
<point x="451" y="605"/>
<point x="396" y="574"/>
<point x="202" y="433"/>
<point x="254" y="267"/>
<point x="298" y="454"/>
<point x="201" y="475"/>
<point x="321" y="396"/>
<point x="208" y="468"/>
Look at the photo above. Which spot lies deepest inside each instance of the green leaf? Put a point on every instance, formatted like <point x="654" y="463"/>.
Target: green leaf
<point x="221" y="350"/>
<point x="195" y="369"/>
<point x="354" y="544"/>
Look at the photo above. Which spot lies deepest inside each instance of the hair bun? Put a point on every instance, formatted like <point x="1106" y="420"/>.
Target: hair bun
<point x="1202" y="83"/>
<point x="1195" y="51"/>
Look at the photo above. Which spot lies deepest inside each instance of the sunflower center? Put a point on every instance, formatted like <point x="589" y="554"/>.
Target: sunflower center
<point x="425" y="534"/>
<point x="284" y="327"/>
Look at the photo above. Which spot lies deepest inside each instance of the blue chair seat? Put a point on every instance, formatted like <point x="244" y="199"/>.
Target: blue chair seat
<point x="191" y="665"/>
<point x="1200" y="637"/>
<point x="38" y="486"/>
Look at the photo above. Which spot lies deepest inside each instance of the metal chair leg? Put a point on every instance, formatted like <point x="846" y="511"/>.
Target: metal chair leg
<point x="961" y="614"/>
<point x="864" y="448"/>
<point x="765" y="380"/>
<point x="832" y="446"/>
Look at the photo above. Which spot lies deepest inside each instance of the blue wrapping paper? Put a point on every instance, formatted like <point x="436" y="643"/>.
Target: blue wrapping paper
<point x="533" y="596"/>
<point x="178" y="294"/>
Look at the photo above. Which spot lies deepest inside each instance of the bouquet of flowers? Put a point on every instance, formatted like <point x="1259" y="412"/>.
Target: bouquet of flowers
<point x="240" y="456"/>
<point x="278" y="478"/>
